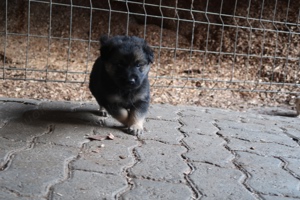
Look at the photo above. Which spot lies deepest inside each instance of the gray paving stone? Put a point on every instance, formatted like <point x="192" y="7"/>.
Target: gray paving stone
<point x="44" y="153"/>
<point x="293" y="125"/>
<point x="165" y="131"/>
<point x="268" y="197"/>
<point x="89" y="185"/>
<point x="226" y="115"/>
<point x="67" y="134"/>
<point x="62" y="116"/>
<point x="148" y="190"/>
<point x="20" y="130"/>
<point x="57" y="105"/>
<point x="211" y="114"/>
<point x="259" y="136"/>
<point x="85" y="107"/>
<point x="259" y="119"/>
<point x="293" y="165"/>
<point x="265" y="149"/>
<point x="33" y="171"/>
<point x="219" y="183"/>
<point x="111" y="159"/>
<point x="6" y="195"/>
<point x="195" y="125"/>
<point x="8" y="148"/>
<point x="249" y="126"/>
<point x="203" y="148"/>
<point x="293" y="131"/>
<point x="276" y="114"/>
<point x="11" y="110"/>
<point x="163" y="112"/>
<point x="158" y="161"/>
<point x="19" y="100"/>
<point x="267" y="175"/>
<point x="192" y="111"/>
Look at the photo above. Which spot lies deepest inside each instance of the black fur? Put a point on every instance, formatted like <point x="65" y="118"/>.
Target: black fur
<point x="119" y="79"/>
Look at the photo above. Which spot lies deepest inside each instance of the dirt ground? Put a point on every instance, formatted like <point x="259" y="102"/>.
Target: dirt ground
<point x="201" y="59"/>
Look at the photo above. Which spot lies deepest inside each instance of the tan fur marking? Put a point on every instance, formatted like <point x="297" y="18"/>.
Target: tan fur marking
<point x="114" y="98"/>
<point x="123" y="116"/>
<point x="140" y="96"/>
<point x="135" y="119"/>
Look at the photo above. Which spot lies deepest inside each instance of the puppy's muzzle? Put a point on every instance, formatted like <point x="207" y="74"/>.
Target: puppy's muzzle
<point x="131" y="81"/>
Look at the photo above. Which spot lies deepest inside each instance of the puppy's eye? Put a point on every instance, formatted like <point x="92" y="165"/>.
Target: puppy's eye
<point x="138" y="65"/>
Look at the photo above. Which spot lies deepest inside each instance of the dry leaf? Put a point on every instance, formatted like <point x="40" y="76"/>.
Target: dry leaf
<point x="97" y="137"/>
<point x="96" y="150"/>
<point x="110" y="136"/>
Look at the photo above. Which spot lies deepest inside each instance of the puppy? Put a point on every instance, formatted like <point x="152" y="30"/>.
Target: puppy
<point x="119" y="80"/>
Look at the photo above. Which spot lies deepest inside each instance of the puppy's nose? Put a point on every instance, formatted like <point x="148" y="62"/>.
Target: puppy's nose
<point x="131" y="81"/>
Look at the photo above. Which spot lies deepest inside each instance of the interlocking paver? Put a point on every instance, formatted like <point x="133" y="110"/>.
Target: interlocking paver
<point x="14" y="108"/>
<point x="293" y="165"/>
<point x="293" y="131"/>
<point x="259" y="136"/>
<point x="33" y="171"/>
<point x="20" y="130"/>
<point x="187" y="152"/>
<point x="270" y="197"/>
<point x="67" y="135"/>
<point x="220" y="183"/>
<point x="148" y="190"/>
<point x="268" y="176"/>
<point x="209" y="149"/>
<point x="252" y="127"/>
<point x="89" y="185"/>
<point x="164" y="131"/>
<point x="210" y="114"/>
<point x="195" y="125"/>
<point x="163" y="112"/>
<point x="7" y="195"/>
<point x="8" y="148"/>
<point x="265" y="149"/>
<point x="112" y="158"/>
<point x="158" y="161"/>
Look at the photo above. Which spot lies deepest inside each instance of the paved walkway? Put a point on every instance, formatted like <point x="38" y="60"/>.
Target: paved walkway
<point x="186" y="153"/>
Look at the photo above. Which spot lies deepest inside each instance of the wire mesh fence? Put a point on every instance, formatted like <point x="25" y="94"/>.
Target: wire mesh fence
<point x="232" y="45"/>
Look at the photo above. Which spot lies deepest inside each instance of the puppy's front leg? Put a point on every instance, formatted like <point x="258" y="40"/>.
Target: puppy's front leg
<point x="119" y="113"/>
<point x="136" y="118"/>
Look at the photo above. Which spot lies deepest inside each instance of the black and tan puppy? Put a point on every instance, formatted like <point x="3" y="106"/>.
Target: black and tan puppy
<point x="119" y="80"/>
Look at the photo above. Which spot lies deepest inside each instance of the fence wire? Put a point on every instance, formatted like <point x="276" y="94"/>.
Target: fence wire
<point x="235" y="45"/>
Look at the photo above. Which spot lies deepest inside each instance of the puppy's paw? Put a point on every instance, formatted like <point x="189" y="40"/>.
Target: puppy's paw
<point x="136" y="129"/>
<point x="102" y="113"/>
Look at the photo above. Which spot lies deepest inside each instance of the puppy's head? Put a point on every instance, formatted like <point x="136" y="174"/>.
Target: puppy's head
<point x="127" y="60"/>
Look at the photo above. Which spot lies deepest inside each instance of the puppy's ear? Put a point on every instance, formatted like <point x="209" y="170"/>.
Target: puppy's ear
<point x="103" y="40"/>
<point x="105" y="47"/>
<point x="149" y="53"/>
